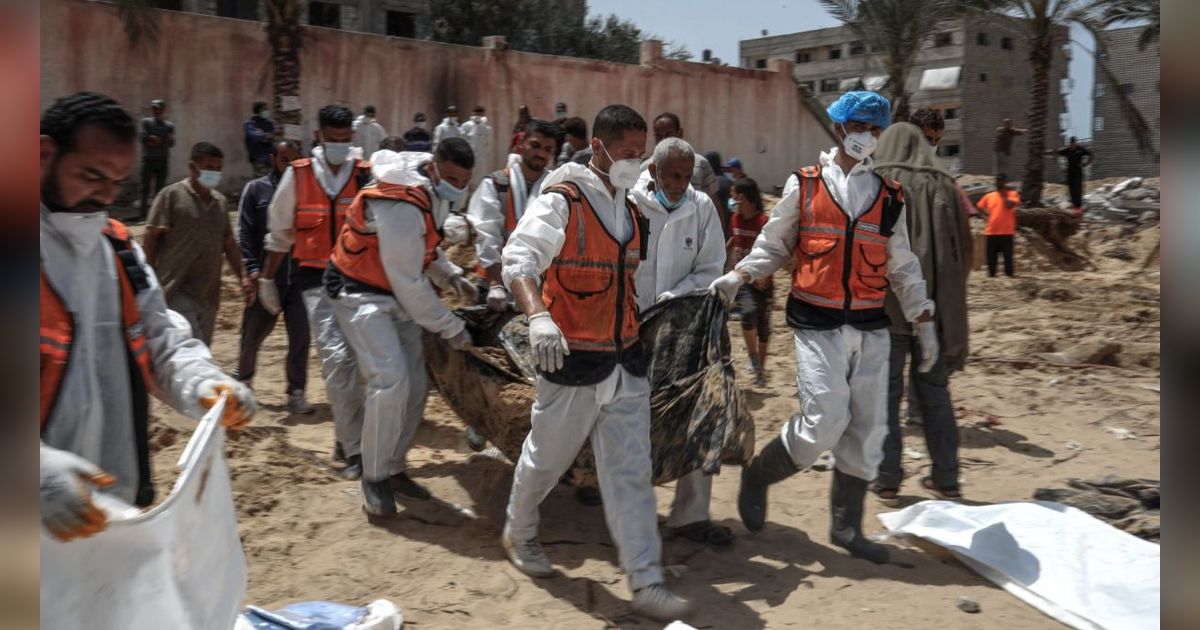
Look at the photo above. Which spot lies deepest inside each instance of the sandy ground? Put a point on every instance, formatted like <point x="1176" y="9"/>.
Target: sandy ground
<point x="306" y="538"/>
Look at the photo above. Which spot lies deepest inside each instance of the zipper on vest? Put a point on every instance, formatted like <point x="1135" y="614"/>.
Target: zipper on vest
<point x="847" y="262"/>
<point x="617" y="325"/>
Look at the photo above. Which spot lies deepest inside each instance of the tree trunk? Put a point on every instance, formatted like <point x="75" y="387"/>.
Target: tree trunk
<point x="284" y="36"/>
<point x="896" y="81"/>
<point x="1031" y="185"/>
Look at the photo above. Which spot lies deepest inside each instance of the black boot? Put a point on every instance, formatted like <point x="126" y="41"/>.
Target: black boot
<point x="405" y="485"/>
<point x="773" y="464"/>
<point x="475" y="441"/>
<point x="353" y="469"/>
<point x="846" y="509"/>
<point x="377" y="497"/>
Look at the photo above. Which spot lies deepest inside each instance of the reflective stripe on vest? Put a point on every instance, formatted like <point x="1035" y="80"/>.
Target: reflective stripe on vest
<point x="57" y="324"/>
<point x="356" y="254"/>
<point x="841" y="264"/>
<point x="589" y="288"/>
<point x="319" y="219"/>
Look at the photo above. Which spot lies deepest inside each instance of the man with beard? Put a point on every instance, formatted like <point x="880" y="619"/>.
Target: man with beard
<point x="107" y="338"/>
<point x="500" y="202"/>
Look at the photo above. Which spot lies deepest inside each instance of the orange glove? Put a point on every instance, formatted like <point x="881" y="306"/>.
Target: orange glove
<point x="66" y="501"/>
<point x="240" y="406"/>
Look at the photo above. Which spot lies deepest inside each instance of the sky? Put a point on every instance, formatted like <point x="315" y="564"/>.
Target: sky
<point x="720" y="24"/>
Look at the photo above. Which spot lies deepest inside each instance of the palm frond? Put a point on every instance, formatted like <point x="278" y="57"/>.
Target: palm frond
<point x="1129" y="112"/>
<point x="139" y="18"/>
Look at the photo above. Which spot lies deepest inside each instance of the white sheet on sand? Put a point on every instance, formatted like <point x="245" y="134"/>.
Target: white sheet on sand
<point x="1060" y="560"/>
<point x="178" y="565"/>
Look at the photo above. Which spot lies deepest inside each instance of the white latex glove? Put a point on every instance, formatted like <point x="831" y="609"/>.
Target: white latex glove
<point x="457" y="229"/>
<point x="238" y="409"/>
<point x="927" y="337"/>
<point x="268" y="295"/>
<point x="497" y="298"/>
<point x="726" y="287"/>
<point x="663" y="297"/>
<point x="66" y="498"/>
<point x="548" y="343"/>
<point x="464" y="288"/>
<point x="461" y="341"/>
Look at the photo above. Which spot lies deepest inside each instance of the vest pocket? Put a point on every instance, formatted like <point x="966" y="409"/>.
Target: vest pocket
<point x="875" y="256"/>
<point x="816" y="245"/>
<point x="583" y="281"/>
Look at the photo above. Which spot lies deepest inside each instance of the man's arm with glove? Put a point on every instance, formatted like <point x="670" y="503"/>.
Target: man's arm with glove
<point x="65" y="489"/>
<point x="530" y="249"/>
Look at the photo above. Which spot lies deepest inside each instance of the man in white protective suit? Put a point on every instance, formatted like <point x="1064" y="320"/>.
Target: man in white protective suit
<point x="844" y="227"/>
<point x="685" y="252"/>
<point x="570" y="265"/>
<point x="107" y="338"/>
<point x="379" y="280"/>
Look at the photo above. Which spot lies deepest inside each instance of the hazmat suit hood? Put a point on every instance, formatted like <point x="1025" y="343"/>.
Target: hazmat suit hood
<point x="646" y="198"/>
<point x="401" y="168"/>
<point x="580" y="174"/>
<point x="937" y="231"/>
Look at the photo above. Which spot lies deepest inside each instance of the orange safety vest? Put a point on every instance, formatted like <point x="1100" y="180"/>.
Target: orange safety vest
<point x="840" y="275"/>
<point x="508" y="206"/>
<point x="57" y="324"/>
<point x="319" y="219"/>
<point x="356" y="255"/>
<point x="589" y="288"/>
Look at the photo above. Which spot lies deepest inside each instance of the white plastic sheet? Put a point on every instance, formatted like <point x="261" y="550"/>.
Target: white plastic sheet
<point x="940" y="78"/>
<point x="1060" y="560"/>
<point x="178" y="565"/>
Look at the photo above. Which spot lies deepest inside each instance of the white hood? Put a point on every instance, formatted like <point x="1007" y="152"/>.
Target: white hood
<point x="401" y="167"/>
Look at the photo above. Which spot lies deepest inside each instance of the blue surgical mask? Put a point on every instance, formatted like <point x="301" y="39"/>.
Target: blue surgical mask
<point x="209" y="179"/>
<point x="661" y="196"/>
<point x="447" y="191"/>
<point x="731" y="204"/>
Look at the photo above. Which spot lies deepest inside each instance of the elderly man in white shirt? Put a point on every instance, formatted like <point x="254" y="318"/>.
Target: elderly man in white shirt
<point x="686" y="251"/>
<point x="844" y="226"/>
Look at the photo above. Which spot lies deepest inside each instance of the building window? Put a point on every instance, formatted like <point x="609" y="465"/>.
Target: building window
<point x="239" y="9"/>
<point x="760" y="64"/>
<point x="803" y="57"/>
<point x="876" y="48"/>
<point x="1127" y="88"/>
<point x="1006" y="43"/>
<point x="1098" y="123"/>
<point x="401" y="24"/>
<point x="857" y="48"/>
<point x="326" y="14"/>
<point x="835" y="53"/>
<point x="170" y="5"/>
<point x="950" y="113"/>
<point x="810" y="86"/>
<point x="983" y="77"/>
<point x="941" y="40"/>
<point x="982" y="39"/>
<point x="950" y="150"/>
<point x="829" y="85"/>
<point x="1100" y="90"/>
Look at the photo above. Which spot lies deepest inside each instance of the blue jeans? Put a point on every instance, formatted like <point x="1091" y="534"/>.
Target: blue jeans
<point x="937" y="414"/>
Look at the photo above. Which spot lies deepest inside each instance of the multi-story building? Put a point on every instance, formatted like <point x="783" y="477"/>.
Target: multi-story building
<point x="974" y="69"/>
<point x="1115" y="151"/>
<point x="397" y="18"/>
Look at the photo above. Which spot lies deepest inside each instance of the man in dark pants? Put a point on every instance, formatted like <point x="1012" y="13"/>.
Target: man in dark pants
<point x="257" y="322"/>
<point x="1077" y="158"/>
<point x="157" y="136"/>
<point x="999" y="209"/>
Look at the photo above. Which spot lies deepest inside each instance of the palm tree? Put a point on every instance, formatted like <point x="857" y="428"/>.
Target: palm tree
<point x="899" y="29"/>
<point x="1146" y="12"/>
<point x="284" y="35"/>
<point x="1048" y="22"/>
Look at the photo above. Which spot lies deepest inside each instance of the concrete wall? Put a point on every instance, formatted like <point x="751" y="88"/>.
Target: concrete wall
<point x="211" y="69"/>
<point x="1116" y="152"/>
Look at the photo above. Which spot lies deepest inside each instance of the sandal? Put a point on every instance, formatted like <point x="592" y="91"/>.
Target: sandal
<point x="889" y="497"/>
<point x="953" y="493"/>
<point x="706" y="533"/>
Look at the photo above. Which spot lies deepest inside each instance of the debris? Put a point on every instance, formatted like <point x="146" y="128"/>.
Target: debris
<point x="1131" y="505"/>
<point x="676" y="570"/>
<point x="912" y="453"/>
<point x="1072" y="445"/>
<point x="1132" y="182"/>
<point x="968" y="605"/>
<point x="1121" y="433"/>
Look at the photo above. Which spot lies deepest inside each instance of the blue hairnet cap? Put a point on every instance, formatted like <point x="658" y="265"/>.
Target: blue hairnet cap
<point x="863" y="106"/>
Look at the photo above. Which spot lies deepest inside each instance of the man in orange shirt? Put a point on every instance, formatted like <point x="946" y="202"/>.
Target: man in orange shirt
<point x="999" y="208"/>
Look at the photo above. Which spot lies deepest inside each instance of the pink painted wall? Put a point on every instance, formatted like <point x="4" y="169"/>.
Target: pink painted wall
<point x="210" y="70"/>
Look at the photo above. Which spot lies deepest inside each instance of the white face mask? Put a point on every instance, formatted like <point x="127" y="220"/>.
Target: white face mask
<point x="80" y="230"/>
<point x="476" y="118"/>
<point x="623" y="173"/>
<point x="336" y="152"/>
<point x="266" y="113"/>
<point x="420" y="124"/>
<point x="859" y="145"/>
<point x="209" y="179"/>
<point x="453" y="119"/>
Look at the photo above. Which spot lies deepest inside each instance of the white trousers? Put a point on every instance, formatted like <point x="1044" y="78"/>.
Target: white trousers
<point x="693" y="493"/>
<point x="343" y="384"/>
<point x="389" y="352"/>
<point x="841" y="378"/>
<point x="615" y="413"/>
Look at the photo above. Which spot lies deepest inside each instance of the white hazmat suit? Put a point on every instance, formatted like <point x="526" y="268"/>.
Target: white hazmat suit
<point x="615" y="412"/>
<point x="686" y="251"/>
<point x="384" y="330"/>
<point x="486" y="210"/>
<point x="343" y="384"/>
<point x="841" y="374"/>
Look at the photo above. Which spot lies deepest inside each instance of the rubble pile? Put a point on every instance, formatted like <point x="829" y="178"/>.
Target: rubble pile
<point x="1134" y="200"/>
